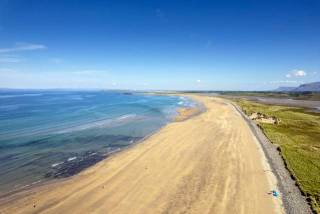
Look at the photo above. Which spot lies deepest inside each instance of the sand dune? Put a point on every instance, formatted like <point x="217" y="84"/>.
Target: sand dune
<point x="210" y="163"/>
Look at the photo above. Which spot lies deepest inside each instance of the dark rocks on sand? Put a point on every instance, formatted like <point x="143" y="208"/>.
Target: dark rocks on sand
<point x="75" y="165"/>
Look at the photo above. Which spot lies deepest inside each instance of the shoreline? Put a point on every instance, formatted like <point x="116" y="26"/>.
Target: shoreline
<point x="68" y="182"/>
<point x="293" y="200"/>
<point x="181" y="116"/>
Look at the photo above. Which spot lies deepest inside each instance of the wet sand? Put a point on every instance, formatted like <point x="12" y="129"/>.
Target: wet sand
<point x="210" y="163"/>
<point x="186" y="113"/>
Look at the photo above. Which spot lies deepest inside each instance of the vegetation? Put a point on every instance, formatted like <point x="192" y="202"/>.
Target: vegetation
<point x="302" y="95"/>
<point x="298" y="136"/>
<point x="292" y="95"/>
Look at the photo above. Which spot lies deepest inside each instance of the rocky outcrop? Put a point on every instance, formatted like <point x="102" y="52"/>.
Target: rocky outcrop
<point x="263" y="118"/>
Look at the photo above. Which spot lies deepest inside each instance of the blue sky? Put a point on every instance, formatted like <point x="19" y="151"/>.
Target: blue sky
<point x="198" y="45"/>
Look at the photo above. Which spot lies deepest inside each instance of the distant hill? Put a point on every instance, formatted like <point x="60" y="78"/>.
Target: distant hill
<point x="314" y="87"/>
<point x="285" y="88"/>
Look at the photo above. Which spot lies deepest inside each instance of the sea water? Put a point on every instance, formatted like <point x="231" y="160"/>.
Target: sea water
<point x="54" y="134"/>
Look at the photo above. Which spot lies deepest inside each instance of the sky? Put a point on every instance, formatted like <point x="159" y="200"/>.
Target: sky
<point x="159" y="45"/>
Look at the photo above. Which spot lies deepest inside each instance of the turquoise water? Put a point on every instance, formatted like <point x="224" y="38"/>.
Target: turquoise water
<point x="54" y="134"/>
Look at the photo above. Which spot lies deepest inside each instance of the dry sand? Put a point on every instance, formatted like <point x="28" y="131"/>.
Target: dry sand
<point x="210" y="163"/>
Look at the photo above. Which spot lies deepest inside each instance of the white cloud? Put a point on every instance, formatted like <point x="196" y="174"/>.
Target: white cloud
<point x="300" y="73"/>
<point x="296" y="73"/>
<point x="23" y="47"/>
<point x="284" y="81"/>
<point x="198" y="81"/>
<point x="10" y="59"/>
<point x="90" y="72"/>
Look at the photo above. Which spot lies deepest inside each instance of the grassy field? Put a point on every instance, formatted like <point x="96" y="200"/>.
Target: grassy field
<point x="315" y="96"/>
<point x="298" y="136"/>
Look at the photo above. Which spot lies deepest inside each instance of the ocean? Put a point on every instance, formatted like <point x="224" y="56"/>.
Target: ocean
<point x="54" y="134"/>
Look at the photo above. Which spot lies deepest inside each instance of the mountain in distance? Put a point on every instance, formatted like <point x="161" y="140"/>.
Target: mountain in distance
<point x="284" y="88"/>
<point x="313" y="87"/>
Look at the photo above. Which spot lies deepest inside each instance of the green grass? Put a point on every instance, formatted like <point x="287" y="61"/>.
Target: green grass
<point x="298" y="136"/>
<point x="292" y="95"/>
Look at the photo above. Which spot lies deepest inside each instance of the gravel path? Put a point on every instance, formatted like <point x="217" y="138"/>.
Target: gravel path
<point x="294" y="202"/>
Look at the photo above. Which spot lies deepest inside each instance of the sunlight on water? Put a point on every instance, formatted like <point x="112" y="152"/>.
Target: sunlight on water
<point x="53" y="134"/>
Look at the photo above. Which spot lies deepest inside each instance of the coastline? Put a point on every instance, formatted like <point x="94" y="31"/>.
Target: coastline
<point x="183" y="113"/>
<point x="293" y="200"/>
<point x="70" y="183"/>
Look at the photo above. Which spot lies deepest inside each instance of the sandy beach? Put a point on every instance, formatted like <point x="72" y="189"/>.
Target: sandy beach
<point x="210" y="163"/>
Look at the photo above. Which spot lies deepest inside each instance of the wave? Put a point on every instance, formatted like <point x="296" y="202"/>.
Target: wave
<point x="75" y="97"/>
<point x="56" y="164"/>
<point x="102" y="123"/>
<point x="186" y="102"/>
<point x="72" y="158"/>
<point x="126" y="116"/>
<point x="20" y="95"/>
<point x="70" y="134"/>
<point x="9" y="107"/>
<point x="183" y="101"/>
<point x="74" y="165"/>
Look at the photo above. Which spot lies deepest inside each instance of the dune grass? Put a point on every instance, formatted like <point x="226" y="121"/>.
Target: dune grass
<point x="315" y="96"/>
<point x="298" y="136"/>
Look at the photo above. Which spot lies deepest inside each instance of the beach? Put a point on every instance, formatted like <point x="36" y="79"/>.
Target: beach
<point x="46" y="134"/>
<point x="209" y="163"/>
